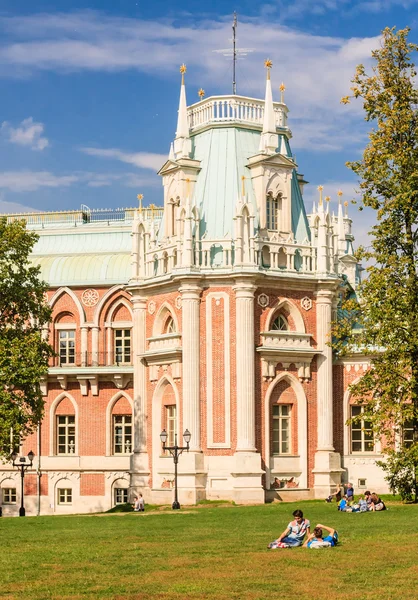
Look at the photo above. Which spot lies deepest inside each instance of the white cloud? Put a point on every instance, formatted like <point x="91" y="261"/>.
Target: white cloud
<point x="28" y="133"/>
<point x="316" y="69"/>
<point x="7" y="207"/>
<point x="144" y="160"/>
<point x="29" y="181"/>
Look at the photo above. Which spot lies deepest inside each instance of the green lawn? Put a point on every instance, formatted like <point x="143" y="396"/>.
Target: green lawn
<point x="216" y="552"/>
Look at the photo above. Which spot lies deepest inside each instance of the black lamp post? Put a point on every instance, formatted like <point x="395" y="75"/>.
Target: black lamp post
<point x="175" y="452"/>
<point x="23" y="465"/>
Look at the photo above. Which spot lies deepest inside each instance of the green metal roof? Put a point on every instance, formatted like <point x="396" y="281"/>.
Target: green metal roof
<point x="88" y="258"/>
<point x="224" y="154"/>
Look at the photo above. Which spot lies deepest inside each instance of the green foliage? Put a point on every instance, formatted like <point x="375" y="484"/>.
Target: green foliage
<point x="400" y="472"/>
<point x="385" y="312"/>
<point x="24" y="353"/>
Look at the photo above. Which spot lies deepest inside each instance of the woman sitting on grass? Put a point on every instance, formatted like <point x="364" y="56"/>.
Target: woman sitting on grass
<point x="376" y="503"/>
<point x="294" y="533"/>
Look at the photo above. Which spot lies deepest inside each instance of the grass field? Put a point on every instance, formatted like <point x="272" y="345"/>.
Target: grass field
<point x="209" y="552"/>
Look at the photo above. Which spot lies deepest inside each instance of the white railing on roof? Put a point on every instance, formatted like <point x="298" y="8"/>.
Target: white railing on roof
<point x="224" y="109"/>
<point x="40" y="220"/>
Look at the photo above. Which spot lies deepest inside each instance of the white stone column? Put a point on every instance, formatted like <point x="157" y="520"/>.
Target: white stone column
<point x="190" y="304"/>
<point x="139" y="310"/>
<point x="247" y="470"/>
<point x="84" y="335"/>
<point x="95" y="345"/>
<point x="324" y="301"/>
<point x="139" y="459"/>
<point x="245" y="366"/>
<point x="327" y="470"/>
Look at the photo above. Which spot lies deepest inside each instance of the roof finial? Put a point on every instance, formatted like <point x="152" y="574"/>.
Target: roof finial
<point x="183" y="69"/>
<point x="187" y="187"/>
<point x="282" y="89"/>
<point x="243" y="186"/>
<point x="201" y="93"/>
<point x="346" y="209"/>
<point x="140" y="198"/>
<point x="320" y="188"/>
<point x="268" y="64"/>
<point x="339" y="194"/>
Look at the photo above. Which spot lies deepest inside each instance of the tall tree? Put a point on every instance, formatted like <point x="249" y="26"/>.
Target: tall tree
<point x="24" y="353"/>
<point x="385" y="312"/>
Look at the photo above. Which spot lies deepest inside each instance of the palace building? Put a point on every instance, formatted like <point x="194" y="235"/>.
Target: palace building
<point x="210" y="314"/>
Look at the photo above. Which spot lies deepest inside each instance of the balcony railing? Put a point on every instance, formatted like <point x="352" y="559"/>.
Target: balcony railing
<point x="286" y="339"/>
<point x="226" y="109"/>
<point x="92" y="359"/>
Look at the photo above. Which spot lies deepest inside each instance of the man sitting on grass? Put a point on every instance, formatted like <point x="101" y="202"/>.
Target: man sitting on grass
<point x="293" y="534"/>
<point x="316" y="539"/>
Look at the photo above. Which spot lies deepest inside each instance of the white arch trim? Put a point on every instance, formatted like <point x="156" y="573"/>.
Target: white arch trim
<point x="117" y="304"/>
<point x="302" y="425"/>
<point x="275" y="185"/>
<point x="157" y="462"/>
<point x="158" y="322"/>
<point x="66" y="290"/>
<point x="105" y="298"/>
<point x="293" y="311"/>
<point x="109" y="409"/>
<point x="53" y="425"/>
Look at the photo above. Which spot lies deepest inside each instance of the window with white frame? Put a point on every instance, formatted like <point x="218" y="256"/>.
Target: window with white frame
<point x="122" y="346"/>
<point x="171" y="420"/>
<point x="279" y="324"/>
<point x="121" y="495"/>
<point x="170" y="326"/>
<point x="65" y="434"/>
<point x="408" y="434"/>
<point x="66" y="339"/>
<point x="272" y="207"/>
<point x="281" y="428"/>
<point x="64" y="495"/>
<point x="362" y="438"/>
<point x="9" y="495"/>
<point x="122" y="434"/>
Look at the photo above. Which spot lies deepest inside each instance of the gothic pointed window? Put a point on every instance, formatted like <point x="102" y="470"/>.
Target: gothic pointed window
<point x="279" y="324"/>
<point x="169" y="325"/>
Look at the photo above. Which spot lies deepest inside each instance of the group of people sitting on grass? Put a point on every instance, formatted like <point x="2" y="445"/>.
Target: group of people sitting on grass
<point x="346" y="502"/>
<point x="295" y="533"/>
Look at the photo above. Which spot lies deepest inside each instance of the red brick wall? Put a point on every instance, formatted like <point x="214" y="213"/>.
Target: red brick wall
<point x="30" y="484"/>
<point x="92" y="484"/>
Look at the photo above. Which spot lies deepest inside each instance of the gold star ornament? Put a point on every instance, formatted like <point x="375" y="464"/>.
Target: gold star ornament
<point x="268" y="63"/>
<point x="182" y="71"/>
<point x="201" y="93"/>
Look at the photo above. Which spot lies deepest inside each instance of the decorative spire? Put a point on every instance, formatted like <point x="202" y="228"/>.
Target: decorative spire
<point x="183" y="69"/>
<point x="346" y="208"/>
<point x="243" y="186"/>
<point x="201" y="93"/>
<point x="320" y="188"/>
<point x="341" y="231"/>
<point x="171" y="153"/>
<point x="140" y="198"/>
<point x="269" y="138"/>
<point x="327" y="200"/>
<point x="282" y="89"/>
<point x="182" y="144"/>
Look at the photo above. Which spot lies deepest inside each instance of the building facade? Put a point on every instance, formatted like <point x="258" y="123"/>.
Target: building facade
<point x="210" y="314"/>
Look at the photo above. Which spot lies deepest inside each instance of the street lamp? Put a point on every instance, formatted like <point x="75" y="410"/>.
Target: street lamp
<point x="175" y="452"/>
<point x="23" y="465"/>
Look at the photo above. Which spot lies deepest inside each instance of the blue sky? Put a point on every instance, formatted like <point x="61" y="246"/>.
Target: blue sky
<point x="90" y="91"/>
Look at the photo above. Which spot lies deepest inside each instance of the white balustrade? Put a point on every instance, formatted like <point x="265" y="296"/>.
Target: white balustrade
<point x="220" y="109"/>
<point x="166" y="341"/>
<point x="286" y="339"/>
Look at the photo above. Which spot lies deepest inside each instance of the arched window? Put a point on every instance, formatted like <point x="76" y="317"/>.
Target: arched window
<point x="169" y="325"/>
<point x="279" y="324"/>
<point x="272" y="207"/>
